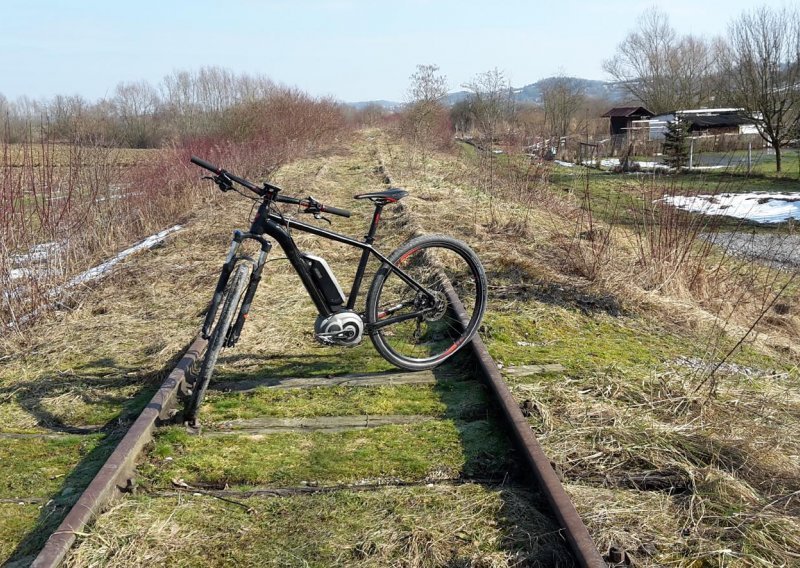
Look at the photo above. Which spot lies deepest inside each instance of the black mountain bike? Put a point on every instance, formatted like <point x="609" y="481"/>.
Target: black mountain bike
<point x="425" y="302"/>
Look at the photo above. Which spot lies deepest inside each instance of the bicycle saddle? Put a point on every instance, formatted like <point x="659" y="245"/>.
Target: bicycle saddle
<point x="391" y="195"/>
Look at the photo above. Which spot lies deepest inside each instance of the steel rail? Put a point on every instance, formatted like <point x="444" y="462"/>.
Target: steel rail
<point x="583" y="547"/>
<point x="575" y="530"/>
<point x="115" y="473"/>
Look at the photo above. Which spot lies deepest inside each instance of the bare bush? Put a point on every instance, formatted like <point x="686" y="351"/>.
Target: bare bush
<point x="65" y="206"/>
<point x="425" y="121"/>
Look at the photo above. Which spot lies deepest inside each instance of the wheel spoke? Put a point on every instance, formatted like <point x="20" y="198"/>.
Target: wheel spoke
<point x="424" y="340"/>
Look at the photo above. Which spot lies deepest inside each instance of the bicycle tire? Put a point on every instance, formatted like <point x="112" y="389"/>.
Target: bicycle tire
<point x="446" y="266"/>
<point x="230" y="307"/>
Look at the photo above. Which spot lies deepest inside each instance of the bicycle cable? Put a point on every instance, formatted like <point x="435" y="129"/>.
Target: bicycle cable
<point x="251" y="198"/>
<point x="279" y="211"/>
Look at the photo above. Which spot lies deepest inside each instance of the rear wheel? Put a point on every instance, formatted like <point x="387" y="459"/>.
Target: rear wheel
<point x="454" y="276"/>
<point x="231" y="303"/>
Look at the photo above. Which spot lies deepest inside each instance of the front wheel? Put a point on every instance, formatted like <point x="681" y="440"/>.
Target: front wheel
<point x="418" y="330"/>
<point x="231" y="303"/>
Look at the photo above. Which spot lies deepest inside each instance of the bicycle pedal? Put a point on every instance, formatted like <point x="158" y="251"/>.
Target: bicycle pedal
<point x="325" y="339"/>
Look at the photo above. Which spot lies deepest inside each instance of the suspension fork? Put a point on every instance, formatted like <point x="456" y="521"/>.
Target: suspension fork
<point x="255" y="279"/>
<point x="225" y="273"/>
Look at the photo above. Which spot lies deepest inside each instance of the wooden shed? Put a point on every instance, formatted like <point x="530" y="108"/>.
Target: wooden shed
<point x="622" y="117"/>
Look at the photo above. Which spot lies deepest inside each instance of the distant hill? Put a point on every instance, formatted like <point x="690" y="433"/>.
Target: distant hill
<point x="388" y="105"/>
<point x="532" y="93"/>
<point x="611" y="91"/>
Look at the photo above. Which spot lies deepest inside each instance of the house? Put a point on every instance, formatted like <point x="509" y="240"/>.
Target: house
<point x="701" y="122"/>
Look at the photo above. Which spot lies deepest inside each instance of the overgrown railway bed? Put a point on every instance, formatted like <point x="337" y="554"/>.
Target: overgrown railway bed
<point x="328" y="457"/>
<point x="480" y="458"/>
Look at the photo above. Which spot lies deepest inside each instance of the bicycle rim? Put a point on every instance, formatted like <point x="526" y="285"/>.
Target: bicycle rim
<point x="426" y="340"/>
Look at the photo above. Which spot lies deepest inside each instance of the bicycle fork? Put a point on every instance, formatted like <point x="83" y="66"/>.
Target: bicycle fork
<point x="227" y="269"/>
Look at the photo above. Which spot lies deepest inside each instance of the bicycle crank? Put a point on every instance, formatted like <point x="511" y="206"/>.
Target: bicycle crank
<point x="343" y="328"/>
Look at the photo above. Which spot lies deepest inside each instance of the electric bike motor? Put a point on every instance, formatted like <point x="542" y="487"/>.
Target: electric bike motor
<point x="342" y="328"/>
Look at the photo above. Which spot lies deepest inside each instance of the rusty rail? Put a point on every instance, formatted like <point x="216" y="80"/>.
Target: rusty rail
<point x="577" y="534"/>
<point x="115" y="473"/>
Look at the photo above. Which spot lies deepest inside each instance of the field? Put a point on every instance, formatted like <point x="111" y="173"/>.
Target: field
<point x="673" y="423"/>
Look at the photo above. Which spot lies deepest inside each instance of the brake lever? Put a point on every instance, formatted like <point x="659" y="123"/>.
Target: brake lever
<point x="313" y="207"/>
<point x="223" y="183"/>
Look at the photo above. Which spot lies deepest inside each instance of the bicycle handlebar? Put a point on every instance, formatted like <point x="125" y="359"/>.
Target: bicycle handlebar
<point x="312" y="205"/>
<point x="207" y="165"/>
<point x="334" y="210"/>
<point x="221" y="172"/>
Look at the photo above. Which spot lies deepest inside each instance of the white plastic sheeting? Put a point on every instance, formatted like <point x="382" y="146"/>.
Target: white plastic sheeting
<point x="44" y="251"/>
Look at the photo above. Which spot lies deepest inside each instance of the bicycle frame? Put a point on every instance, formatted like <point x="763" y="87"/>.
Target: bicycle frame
<point x="278" y="228"/>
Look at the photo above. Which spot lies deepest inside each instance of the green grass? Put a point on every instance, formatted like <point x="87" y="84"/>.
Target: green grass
<point x="37" y="467"/>
<point x="314" y="360"/>
<point x="55" y="470"/>
<point x="581" y="343"/>
<point x="16" y="521"/>
<point x="466" y="525"/>
<point x="444" y="398"/>
<point x="410" y="452"/>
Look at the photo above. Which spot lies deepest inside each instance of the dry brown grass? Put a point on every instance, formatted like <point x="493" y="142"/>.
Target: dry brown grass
<point x="607" y="420"/>
<point x="731" y="459"/>
<point x="410" y="528"/>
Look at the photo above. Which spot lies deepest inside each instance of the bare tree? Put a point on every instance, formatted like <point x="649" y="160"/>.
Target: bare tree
<point x="135" y="105"/>
<point x="490" y="101"/>
<point x="424" y="111"/>
<point x="761" y="66"/>
<point x="491" y="104"/>
<point x="663" y="71"/>
<point x="562" y="98"/>
<point x="427" y="85"/>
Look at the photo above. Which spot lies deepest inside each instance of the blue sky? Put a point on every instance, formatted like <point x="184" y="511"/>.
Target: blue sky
<point x="350" y="49"/>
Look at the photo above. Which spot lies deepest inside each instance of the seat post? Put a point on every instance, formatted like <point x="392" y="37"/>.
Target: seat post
<point x="376" y="216"/>
<point x="362" y="264"/>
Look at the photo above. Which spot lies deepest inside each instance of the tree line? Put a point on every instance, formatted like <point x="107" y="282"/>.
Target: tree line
<point x="211" y="102"/>
<point x="755" y="67"/>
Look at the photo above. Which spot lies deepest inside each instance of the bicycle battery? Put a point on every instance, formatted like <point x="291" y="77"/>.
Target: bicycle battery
<point x="324" y="278"/>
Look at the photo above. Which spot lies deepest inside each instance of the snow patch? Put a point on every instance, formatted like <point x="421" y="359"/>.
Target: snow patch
<point x="94" y="273"/>
<point x="761" y="207"/>
<point x="38" y="253"/>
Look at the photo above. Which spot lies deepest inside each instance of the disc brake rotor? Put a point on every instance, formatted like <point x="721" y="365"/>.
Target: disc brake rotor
<point x="439" y="307"/>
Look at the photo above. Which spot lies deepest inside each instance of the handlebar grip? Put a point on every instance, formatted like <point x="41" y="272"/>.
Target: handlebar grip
<point x="207" y="165"/>
<point x="335" y="210"/>
<point x="286" y="199"/>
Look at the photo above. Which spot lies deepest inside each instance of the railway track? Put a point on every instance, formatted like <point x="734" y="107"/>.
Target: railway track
<point x="514" y="462"/>
<point x="117" y="476"/>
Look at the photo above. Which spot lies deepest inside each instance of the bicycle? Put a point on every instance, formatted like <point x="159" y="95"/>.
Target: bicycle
<point x="425" y="301"/>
